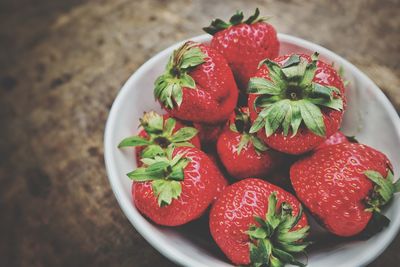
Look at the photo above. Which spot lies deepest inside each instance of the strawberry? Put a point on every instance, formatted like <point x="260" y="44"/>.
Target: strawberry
<point x="337" y="138"/>
<point x="243" y="154"/>
<point x="208" y="133"/>
<point x="343" y="185"/>
<point x="258" y="224"/>
<point x="159" y="132"/>
<point x="197" y="85"/>
<point x="244" y="43"/>
<point x="177" y="187"/>
<point x="298" y="100"/>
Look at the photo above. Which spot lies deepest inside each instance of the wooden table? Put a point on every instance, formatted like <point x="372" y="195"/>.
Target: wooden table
<point x="61" y="66"/>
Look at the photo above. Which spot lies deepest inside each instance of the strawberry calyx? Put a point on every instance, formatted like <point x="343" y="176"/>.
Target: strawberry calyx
<point x="273" y="241"/>
<point x="380" y="196"/>
<point x="165" y="173"/>
<point x="160" y="134"/>
<point x="242" y="125"/>
<point x="168" y="86"/>
<point x="291" y="98"/>
<point x="383" y="190"/>
<point x="219" y="25"/>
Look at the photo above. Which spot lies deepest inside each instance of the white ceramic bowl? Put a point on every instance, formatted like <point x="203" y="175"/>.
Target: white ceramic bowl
<point x="370" y="116"/>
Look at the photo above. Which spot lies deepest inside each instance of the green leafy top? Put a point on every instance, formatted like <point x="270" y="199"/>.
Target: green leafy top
<point x="381" y="195"/>
<point x="219" y="25"/>
<point x="383" y="191"/>
<point x="168" y="86"/>
<point x="165" y="173"/>
<point x="291" y="97"/>
<point x="273" y="241"/>
<point x="242" y="125"/>
<point x="160" y="135"/>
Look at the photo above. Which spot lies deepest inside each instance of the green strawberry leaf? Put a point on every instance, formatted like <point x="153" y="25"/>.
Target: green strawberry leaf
<point x="219" y="25"/>
<point x="287" y="120"/>
<point x="134" y="141"/>
<point x="257" y="232"/>
<point x="273" y="242"/>
<point x="275" y="73"/>
<point x="237" y="18"/>
<point x="254" y="18"/>
<point x="184" y="134"/>
<point x="384" y="188"/>
<point x="165" y="191"/>
<point x="309" y="74"/>
<point x="168" y="86"/>
<point x="287" y="257"/>
<point x="152" y="151"/>
<point x="165" y="174"/>
<point x="257" y="124"/>
<point x="276" y="116"/>
<point x="293" y="60"/>
<point x="295" y="71"/>
<point x="153" y="172"/>
<point x="262" y="86"/>
<point x="312" y="117"/>
<point x="258" y="144"/>
<point x="264" y="101"/>
<point x="152" y="122"/>
<point x="296" y="118"/>
<point x="244" y="140"/>
<point x="169" y="126"/>
<point x="192" y="57"/>
<point x="187" y="81"/>
<point x="291" y="97"/>
<point x="336" y="103"/>
<point x="181" y="144"/>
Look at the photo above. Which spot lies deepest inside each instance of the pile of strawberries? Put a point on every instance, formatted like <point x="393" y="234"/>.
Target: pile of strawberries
<point x="238" y="116"/>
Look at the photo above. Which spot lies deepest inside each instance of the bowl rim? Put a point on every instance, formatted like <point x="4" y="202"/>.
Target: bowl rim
<point x="162" y="246"/>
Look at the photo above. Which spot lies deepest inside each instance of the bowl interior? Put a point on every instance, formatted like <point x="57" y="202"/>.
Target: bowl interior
<point x="369" y="116"/>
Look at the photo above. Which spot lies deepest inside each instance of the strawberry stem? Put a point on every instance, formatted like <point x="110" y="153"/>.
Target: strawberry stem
<point x="290" y="97"/>
<point x="219" y="25"/>
<point x="242" y="125"/>
<point x="168" y="86"/>
<point x="273" y="241"/>
<point x="382" y="193"/>
<point x="160" y="134"/>
<point x="165" y="174"/>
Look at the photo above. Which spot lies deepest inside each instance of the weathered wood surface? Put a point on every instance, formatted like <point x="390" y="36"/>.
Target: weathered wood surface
<point x="61" y="65"/>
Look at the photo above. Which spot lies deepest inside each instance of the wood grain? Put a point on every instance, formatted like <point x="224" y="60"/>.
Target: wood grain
<point x="61" y="66"/>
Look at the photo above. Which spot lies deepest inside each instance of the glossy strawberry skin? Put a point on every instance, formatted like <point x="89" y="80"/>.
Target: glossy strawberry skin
<point x="178" y="125"/>
<point x="215" y="95"/>
<point x="331" y="183"/>
<point x="248" y="163"/>
<point x="336" y="138"/>
<point x="244" y="46"/>
<point x="234" y="212"/>
<point x="304" y="140"/>
<point x="202" y="183"/>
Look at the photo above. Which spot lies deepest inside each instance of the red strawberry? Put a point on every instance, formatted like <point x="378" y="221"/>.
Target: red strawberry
<point x="257" y="223"/>
<point x="337" y="138"/>
<point x="244" y="43"/>
<point x="343" y="186"/>
<point x="197" y="85"/>
<point x="244" y="154"/>
<point x="298" y="100"/>
<point x="177" y="187"/>
<point x="159" y="132"/>
<point x="208" y="133"/>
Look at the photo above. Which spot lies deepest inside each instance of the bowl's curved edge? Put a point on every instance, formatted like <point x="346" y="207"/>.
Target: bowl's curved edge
<point x="168" y="251"/>
<point x="172" y="253"/>
<point x="392" y="232"/>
